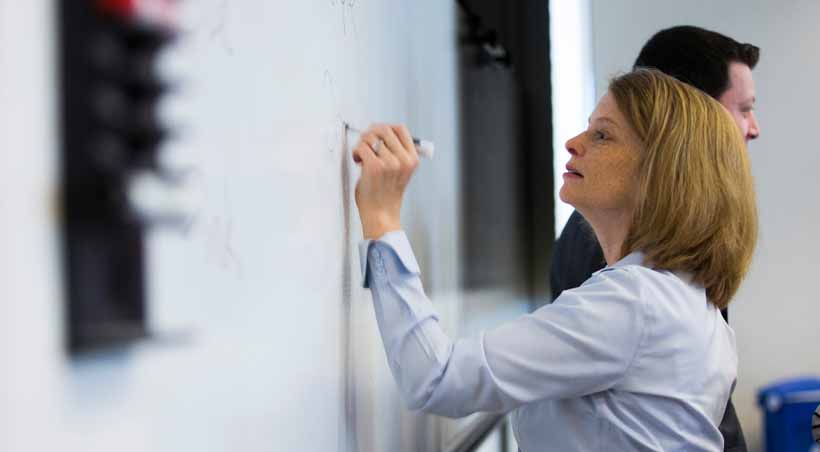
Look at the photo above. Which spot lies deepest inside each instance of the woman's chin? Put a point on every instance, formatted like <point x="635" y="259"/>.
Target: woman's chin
<point x="566" y="196"/>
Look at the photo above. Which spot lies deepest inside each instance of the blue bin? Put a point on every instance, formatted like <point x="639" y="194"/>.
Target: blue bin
<point x="788" y="406"/>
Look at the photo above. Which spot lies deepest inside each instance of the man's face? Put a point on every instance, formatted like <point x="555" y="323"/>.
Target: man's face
<point x="739" y="99"/>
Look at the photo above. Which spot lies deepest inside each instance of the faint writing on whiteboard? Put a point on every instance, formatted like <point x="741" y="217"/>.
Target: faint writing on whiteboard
<point x="208" y="21"/>
<point x="219" y="244"/>
<point x="348" y="20"/>
<point x="218" y="30"/>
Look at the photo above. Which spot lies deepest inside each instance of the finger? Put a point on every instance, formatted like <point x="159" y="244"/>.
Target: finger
<point x="373" y="141"/>
<point x="406" y="139"/>
<point x="391" y="141"/>
<point x="357" y="152"/>
<point x="365" y="154"/>
<point x="389" y="159"/>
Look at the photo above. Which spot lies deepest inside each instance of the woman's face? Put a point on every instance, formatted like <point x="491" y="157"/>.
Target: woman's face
<point x="602" y="173"/>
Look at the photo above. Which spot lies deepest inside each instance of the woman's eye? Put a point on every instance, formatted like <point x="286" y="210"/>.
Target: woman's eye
<point x="598" y="135"/>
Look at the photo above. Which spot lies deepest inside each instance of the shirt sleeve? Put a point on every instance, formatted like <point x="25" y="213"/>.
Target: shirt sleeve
<point x="582" y="343"/>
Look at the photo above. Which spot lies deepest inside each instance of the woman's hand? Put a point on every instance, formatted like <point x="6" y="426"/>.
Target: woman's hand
<point x="388" y="158"/>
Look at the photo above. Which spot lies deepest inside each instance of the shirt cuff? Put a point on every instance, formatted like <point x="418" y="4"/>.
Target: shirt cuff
<point x="397" y="242"/>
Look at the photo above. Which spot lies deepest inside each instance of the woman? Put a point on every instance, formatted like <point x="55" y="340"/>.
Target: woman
<point x="638" y="357"/>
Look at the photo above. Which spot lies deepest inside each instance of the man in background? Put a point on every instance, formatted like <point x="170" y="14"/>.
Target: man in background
<point x="722" y="68"/>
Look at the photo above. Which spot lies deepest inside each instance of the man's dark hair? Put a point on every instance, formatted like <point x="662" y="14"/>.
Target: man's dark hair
<point x="696" y="56"/>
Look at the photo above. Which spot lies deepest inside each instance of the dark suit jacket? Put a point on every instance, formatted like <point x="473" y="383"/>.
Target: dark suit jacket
<point x="575" y="257"/>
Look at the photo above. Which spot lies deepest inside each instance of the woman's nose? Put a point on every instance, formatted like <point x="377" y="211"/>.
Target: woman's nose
<point x="574" y="145"/>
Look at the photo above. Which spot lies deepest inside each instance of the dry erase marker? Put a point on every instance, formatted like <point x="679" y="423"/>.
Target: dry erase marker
<point x="424" y="147"/>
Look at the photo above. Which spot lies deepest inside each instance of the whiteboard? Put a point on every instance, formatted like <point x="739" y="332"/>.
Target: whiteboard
<point x="281" y="347"/>
<point x="262" y="339"/>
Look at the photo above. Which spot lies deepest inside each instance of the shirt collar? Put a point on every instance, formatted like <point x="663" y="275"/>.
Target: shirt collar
<point x="633" y="258"/>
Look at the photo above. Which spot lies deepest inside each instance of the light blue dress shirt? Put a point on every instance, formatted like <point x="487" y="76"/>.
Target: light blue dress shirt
<point x="632" y="360"/>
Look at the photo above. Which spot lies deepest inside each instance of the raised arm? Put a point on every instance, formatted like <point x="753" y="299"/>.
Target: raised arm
<point x="582" y="343"/>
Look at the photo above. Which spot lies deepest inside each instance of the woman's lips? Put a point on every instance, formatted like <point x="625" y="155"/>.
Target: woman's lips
<point x="571" y="171"/>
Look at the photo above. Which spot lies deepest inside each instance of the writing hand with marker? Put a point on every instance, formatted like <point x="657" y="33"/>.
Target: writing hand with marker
<point x="388" y="159"/>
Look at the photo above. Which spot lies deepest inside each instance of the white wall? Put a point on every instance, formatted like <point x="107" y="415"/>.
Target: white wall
<point x="573" y="87"/>
<point x="30" y="351"/>
<point x="264" y="341"/>
<point x="776" y="314"/>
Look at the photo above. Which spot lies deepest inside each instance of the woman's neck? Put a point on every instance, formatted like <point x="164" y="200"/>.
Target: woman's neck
<point x="611" y="228"/>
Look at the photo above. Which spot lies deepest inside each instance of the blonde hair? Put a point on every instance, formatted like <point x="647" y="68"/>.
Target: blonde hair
<point x="695" y="209"/>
